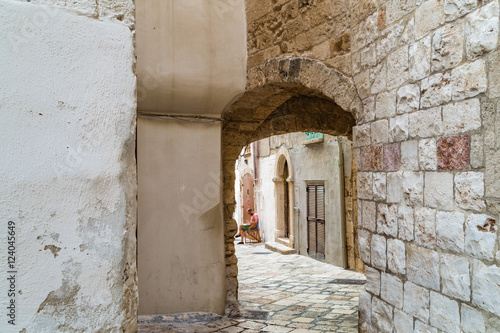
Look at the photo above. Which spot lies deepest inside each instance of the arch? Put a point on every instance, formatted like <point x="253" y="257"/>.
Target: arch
<point x="283" y="95"/>
<point x="283" y="156"/>
<point x="278" y="81"/>
<point x="307" y="73"/>
<point x="247" y="171"/>
<point x="283" y="186"/>
<point x="272" y="83"/>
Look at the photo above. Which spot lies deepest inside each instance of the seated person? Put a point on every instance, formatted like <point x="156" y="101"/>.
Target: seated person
<point x="254" y="220"/>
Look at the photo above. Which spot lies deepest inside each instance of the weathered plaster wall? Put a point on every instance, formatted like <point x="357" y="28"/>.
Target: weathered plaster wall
<point x="266" y="203"/>
<point x="264" y="185"/>
<point x="237" y="215"/>
<point x="67" y="107"/>
<point x="180" y="230"/>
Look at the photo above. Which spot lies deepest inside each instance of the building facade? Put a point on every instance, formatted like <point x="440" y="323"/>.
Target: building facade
<point x="297" y="184"/>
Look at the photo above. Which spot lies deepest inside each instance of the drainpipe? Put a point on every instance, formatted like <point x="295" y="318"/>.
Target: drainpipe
<point x="255" y="156"/>
<point x="297" y="233"/>
<point x="255" y="159"/>
<point x="342" y="151"/>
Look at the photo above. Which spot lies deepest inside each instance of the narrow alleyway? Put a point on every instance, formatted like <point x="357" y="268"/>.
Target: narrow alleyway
<point x="278" y="293"/>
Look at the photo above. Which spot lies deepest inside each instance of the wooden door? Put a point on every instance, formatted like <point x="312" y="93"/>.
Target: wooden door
<point x="316" y="221"/>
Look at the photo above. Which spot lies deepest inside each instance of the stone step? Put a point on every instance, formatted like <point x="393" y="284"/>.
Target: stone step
<point x="280" y="248"/>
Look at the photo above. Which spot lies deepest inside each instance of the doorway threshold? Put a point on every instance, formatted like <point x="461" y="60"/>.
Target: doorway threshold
<point x="280" y="248"/>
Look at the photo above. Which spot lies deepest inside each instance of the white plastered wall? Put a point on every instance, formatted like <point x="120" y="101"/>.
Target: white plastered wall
<point x="67" y="119"/>
<point x="266" y="187"/>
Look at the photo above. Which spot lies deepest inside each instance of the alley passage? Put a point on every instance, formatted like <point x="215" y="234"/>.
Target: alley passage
<point x="278" y="293"/>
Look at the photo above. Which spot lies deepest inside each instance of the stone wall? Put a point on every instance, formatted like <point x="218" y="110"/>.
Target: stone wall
<point x="428" y="161"/>
<point x="319" y="29"/>
<point x="354" y="260"/>
<point x="426" y="146"/>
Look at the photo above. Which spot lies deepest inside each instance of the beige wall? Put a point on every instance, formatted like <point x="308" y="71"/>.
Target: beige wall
<point x="191" y="60"/>
<point x="191" y="55"/>
<point x="269" y="151"/>
<point x="180" y="228"/>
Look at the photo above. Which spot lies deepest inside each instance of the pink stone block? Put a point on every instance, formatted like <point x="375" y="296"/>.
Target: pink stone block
<point x="392" y="157"/>
<point x="371" y="158"/>
<point x="453" y="152"/>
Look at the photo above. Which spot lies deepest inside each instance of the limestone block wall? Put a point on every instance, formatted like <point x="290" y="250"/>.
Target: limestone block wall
<point x="67" y="115"/>
<point x="426" y="144"/>
<point x="354" y="260"/>
<point x="319" y="29"/>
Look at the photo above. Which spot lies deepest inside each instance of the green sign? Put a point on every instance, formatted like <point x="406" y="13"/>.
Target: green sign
<point x="314" y="136"/>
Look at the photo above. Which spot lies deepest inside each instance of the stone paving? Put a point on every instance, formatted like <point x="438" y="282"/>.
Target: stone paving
<point x="278" y="293"/>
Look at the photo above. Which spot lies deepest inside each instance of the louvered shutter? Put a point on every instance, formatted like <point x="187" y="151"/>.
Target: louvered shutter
<point x="311" y="219"/>
<point x="316" y="221"/>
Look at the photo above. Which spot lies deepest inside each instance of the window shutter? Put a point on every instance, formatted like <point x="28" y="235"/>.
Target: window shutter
<point x="316" y="221"/>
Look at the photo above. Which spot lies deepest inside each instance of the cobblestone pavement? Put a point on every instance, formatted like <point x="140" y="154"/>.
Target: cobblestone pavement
<point x="277" y="293"/>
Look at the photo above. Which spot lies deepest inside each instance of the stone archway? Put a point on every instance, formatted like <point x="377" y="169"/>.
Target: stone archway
<point x="283" y="185"/>
<point x="283" y="95"/>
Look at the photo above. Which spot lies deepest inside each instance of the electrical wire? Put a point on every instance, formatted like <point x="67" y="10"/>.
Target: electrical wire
<point x="181" y="117"/>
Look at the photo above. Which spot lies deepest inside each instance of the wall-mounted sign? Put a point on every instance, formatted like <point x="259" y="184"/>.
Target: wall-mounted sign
<point x="314" y="136"/>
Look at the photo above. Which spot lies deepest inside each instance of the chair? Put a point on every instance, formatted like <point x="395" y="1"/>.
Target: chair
<point x="252" y="236"/>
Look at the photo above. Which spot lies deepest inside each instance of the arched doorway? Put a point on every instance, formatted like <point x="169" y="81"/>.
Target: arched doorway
<point x="247" y="197"/>
<point x="283" y="95"/>
<point x="283" y="185"/>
